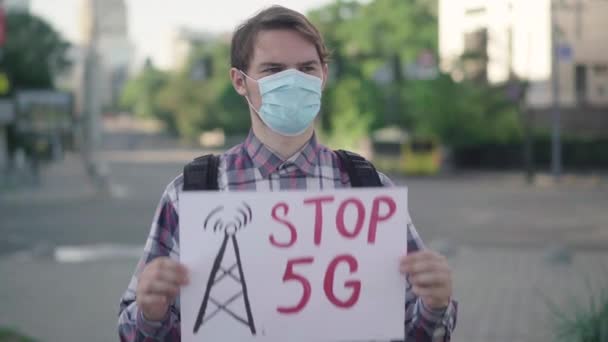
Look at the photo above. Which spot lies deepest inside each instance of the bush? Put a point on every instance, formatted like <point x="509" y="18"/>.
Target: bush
<point x="578" y="154"/>
<point x="8" y="335"/>
<point x="583" y="323"/>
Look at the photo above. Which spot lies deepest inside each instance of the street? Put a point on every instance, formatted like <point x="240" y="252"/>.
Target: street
<point x="512" y="247"/>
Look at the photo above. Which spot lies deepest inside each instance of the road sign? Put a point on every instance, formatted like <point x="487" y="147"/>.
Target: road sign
<point x="564" y="53"/>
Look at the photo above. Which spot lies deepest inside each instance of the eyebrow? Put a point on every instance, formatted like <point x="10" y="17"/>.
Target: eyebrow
<point x="309" y="63"/>
<point x="271" y="65"/>
<point x="281" y="65"/>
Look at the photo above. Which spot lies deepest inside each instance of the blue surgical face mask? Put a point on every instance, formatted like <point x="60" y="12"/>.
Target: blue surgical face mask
<point x="290" y="101"/>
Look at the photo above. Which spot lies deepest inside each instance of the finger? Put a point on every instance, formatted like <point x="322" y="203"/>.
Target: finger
<point x="173" y="269"/>
<point x="167" y="263"/>
<point x="154" y="299"/>
<point x="179" y="269"/>
<point x="430" y="279"/>
<point x="423" y="291"/>
<point x="417" y="267"/>
<point x="162" y="288"/>
<point x="172" y="275"/>
<point x="182" y="271"/>
<point x="419" y="256"/>
<point x="425" y="266"/>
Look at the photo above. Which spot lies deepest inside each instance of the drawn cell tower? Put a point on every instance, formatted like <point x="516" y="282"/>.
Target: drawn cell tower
<point x="241" y="219"/>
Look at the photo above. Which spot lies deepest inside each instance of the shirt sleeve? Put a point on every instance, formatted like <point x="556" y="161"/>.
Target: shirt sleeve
<point x="163" y="241"/>
<point x="421" y="323"/>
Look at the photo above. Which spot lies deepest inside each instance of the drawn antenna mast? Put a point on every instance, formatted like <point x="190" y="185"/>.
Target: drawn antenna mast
<point x="242" y="218"/>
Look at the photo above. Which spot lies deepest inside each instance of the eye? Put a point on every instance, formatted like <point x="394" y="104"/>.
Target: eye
<point x="273" y="70"/>
<point x="308" y="68"/>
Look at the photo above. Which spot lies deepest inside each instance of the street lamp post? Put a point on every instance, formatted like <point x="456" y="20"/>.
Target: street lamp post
<point x="91" y="106"/>
<point x="556" y="148"/>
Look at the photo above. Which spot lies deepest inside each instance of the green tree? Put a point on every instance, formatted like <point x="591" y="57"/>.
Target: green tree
<point x="365" y="38"/>
<point x="384" y="36"/>
<point x="140" y="93"/>
<point x="462" y="114"/>
<point x="184" y="102"/>
<point x="355" y="116"/>
<point x="396" y="29"/>
<point x="201" y="97"/>
<point x="225" y="108"/>
<point x="34" y="52"/>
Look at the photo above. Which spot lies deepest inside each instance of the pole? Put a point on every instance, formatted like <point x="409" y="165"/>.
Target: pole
<point x="91" y="106"/>
<point x="526" y="114"/>
<point x="556" y="150"/>
<point x="4" y="153"/>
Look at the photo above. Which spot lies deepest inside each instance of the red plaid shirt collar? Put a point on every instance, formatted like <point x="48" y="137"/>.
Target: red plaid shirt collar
<point x="267" y="161"/>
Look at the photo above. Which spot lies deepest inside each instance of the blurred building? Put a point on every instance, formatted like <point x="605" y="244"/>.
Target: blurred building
<point x="182" y="42"/>
<point x="104" y="28"/>
<point x="17" y="5"/>
<point x="501" y="40"/>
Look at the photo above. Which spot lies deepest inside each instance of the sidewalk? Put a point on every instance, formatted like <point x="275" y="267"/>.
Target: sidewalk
<point x="502" y="293"/>
<point x="505" y="294"/>
<point x="501" y="236"/>
<point x="65" y="179"/>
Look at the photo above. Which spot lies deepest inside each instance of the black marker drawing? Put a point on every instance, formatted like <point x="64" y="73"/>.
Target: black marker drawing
<point x="214" y="222"/>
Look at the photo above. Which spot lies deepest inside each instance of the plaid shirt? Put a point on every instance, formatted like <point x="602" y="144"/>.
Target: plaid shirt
<point x="252" y="166"/>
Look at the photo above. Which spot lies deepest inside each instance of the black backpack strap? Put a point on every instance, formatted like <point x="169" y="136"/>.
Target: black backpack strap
<point x="201" y="173"/>
<point x="361" y="172"/>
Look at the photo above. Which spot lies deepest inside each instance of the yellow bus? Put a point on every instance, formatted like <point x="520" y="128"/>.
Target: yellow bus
<point x="421" y="156"/>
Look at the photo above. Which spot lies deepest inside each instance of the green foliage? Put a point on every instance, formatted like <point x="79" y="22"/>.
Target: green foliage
<point x="389" y="34"/>
<point x="189" y="103"/>
<point x="583" y="322"/>
<point x="140" y="92"/>
<point x="403" y="28"/>
<point x="34" y="52"/>
<point x="9" y="335"/>
<point x="198" y="97"/>
<point x="363" y="39"/>
<point x="225" y="107"/>
<point x="463" y="113"/>
<point x="230" y="110"/>
<point x="354" y="118"/>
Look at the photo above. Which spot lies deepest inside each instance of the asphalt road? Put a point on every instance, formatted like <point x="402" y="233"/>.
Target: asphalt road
<point x="465" y="214"/>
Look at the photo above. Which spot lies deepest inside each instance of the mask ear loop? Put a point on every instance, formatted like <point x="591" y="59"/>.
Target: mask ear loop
<point x="247" y="96"/>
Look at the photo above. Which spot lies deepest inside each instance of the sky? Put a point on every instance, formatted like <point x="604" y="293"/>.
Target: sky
<point x="151" y="21"/>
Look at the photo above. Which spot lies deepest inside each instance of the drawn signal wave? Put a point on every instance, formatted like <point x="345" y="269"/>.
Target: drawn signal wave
<point x="215" y="220"/>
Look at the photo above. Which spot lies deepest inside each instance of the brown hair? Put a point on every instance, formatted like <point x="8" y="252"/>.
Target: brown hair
<point x="272" y="18"/>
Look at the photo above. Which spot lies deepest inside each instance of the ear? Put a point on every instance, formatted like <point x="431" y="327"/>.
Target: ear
<point x="325" y="75"/>
<point x="238" y="81"/>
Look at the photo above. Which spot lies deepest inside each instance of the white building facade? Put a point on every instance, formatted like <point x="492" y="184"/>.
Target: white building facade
<point x="104" y="25"/>
<point x="517" y="41"/>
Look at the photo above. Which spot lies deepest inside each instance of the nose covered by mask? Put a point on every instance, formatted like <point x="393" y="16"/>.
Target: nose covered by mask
<point x="291" y="100"/>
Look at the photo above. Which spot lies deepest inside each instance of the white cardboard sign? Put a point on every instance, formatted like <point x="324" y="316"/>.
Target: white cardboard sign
<point x="293" y="265"/>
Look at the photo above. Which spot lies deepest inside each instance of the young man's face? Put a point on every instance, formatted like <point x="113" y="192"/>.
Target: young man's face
<point x="275" y="51"/>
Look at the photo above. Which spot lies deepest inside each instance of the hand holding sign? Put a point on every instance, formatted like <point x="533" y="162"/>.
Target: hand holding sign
<point x="430" y="277"/>
<point x="158" y="287"/>
<point x="304" y="260"/>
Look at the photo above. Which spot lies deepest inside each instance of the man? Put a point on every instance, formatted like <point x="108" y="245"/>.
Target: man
<point x="279" y="66"/>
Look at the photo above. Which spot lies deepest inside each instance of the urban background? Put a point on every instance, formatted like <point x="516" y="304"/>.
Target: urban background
<point x="493" y="112"/>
